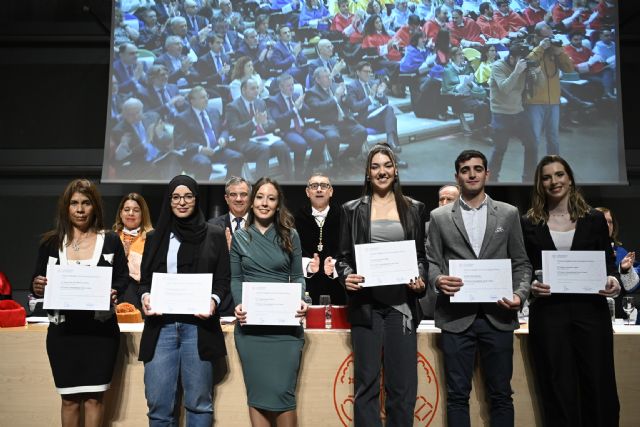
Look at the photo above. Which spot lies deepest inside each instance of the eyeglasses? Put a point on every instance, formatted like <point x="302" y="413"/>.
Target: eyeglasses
<point x="188" y="198"/>
<point x="316" y="185"/>
<point x="236" y="195"/>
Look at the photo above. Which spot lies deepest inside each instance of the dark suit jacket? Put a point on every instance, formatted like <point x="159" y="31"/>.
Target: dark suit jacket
<point x="206" y="68"/>
<point x="126" y="84"/>
<point x="448" y="239"/>
<point x="323" y="107"/>
<point x="283" y="59"/>
<point x="222" y="221"/>
<point x="153" y="102"/>
<point x="188" y="134"/>
<point x="213" y="258"/>
<point x="254" y="54"/>
<point x="201" y="22"/>
<point x="358" y="102"/>
<point x="176" y="74"/>
<point x="279" y="111"/>
<point x="355" y="228"/>
<point x="136" y="151"/>
<point x="317" y="62"/>
<point x="239" y="121"/>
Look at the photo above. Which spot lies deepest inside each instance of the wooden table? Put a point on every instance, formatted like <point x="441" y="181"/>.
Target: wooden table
<point x="325" y="389"/>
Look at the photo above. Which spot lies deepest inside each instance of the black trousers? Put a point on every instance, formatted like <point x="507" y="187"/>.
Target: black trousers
<point x="571" y="345"/>
<point x="385" y="344"/>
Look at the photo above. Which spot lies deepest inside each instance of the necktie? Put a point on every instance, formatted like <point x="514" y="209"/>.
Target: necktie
<point x="367" y="90"/>
<point x="163" y="95"/>
<point x="238" y="221"/>
<point x="252" y="113"/>
<point x="296" y="119"/>
<point x="211" y="137"/>
<point x="218" y="64"/>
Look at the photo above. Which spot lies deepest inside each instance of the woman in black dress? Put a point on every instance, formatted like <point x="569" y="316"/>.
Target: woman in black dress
<point x="570" y="335"/>
<point x="81" y="344"/>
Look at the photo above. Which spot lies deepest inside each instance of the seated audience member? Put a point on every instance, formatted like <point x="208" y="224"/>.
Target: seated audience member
<point x="490" y="27"/>
<point x="438" y="22"/>
<point x="314" y="14"/>
<point x="534" y="13"/>
<point x="287" y="56"/>
<point x="242" y="70"/>
<point x="230" y="38"/>
<point x="231" y="17"/>
<point x="166" y="9"/>
<point x="413" y="26"/>
<point x="191" y="44"/>
<point x="399" y="15"/>
<point x="128" y="71"/>
<point x="376" y="36"/>
<point x="458" y="84"/>
<point x="287" y="109"/>
<point x="318" y="224"/>
<point x="255" y="50"/>
<point x="565" y="17"/>
<point x="464" y="31"/>
<point x="198" y="130"/>
<point x="180" y="67"/>
<point x="236" y="195"/>
<point x="246" y="117"/>
<point x="605" y="48"/>
<point x="265" y="34"/>
<point x="375" y="8"/>
<point x="427" y="101"/>
<point x="425" y="9"/>
<point x="368" y="102"/>
<point x="115" y="103"/>
<point x="604" y="15"/>
<point x="123" y="32"/>
<point x="133" y="151"/>
<point x="326" y="59"/>
<point x="488" y="55"/>
<point x="591" y="67"/>
<point x="132" y="224"/>
<point x="511" y="21"/>
<point x="347" y="23"/>
<point x="326" y="102"/>
<point x="195" y="22"/>
<point x="151" y="32"/>
<point x="214" y="67"/>
<point x="417" y="57"/>
<point x="160" y="96"/>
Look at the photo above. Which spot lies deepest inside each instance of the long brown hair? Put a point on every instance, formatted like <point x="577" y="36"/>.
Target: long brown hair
<point x="283" y="220"/>
<point x="145" y="222"/>
<point x="402" y="202"/>
<point x="238" y="69"/>
<point x="63" y="226"/>
<point x="539" y="211"/>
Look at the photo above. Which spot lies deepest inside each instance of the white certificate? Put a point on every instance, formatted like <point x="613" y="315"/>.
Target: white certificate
<point x="181" y="293"/>
<point x="388" y="263"/>
<point x="483" y="280"/>
<point x="271" y="303"/>
<point x="574" y="272"/>
<point x="77" y="287"/>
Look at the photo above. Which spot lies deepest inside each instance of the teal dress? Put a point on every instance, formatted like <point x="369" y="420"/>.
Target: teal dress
<point x="270" y="355"/>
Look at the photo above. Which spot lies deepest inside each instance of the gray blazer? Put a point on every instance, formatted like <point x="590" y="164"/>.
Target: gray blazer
<point x="447" y="239"/>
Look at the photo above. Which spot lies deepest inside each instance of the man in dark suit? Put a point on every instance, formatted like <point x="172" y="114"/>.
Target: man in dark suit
<point x="287" y="56"/>
<point x="475" y="227"/>
<point x="151" y="37"/>
<point x="255" y="50"/>
<point x="326" y="103"/>
<point x="128" y="71"/>
<point x="287" y="110"/>
<point x="161" y="97"/>
<point x="325" y="59"/>
<point x="214" y="67"/>
<point x="318" y="225"/>
<point x="370" y="106"/>
<point x="180" y="67"/>
<point x="236" y="194"/>
<point x="230" y="38"/>
<point x="195" y="22"/>
<point x="198" y="131"/>
<point x="247" y="117"/>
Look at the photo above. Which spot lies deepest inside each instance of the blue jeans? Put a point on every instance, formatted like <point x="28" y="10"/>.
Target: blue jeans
<point x="544" y="120"/>
<point x="176" y="356"/>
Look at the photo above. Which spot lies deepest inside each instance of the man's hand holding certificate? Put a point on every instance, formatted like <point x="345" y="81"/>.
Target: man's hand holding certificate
<point x="485" y="280"/>
<point x="388" y="263"/>
<point x="77" y="287"/>
<point x="271" y="303"/>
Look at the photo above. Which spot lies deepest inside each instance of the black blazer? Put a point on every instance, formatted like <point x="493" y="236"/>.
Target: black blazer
<point x="112" y="246"/>
<point x="223" y="221"/>
<point x="355" y="228"/>
<point x="188" y="133"/>
<point x="213" y="258"/>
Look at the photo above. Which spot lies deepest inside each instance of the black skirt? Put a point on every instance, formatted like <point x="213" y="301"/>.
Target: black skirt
<point x="82" y="352"/>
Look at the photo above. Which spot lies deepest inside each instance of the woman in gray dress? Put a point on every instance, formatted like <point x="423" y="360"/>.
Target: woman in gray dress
<point x="268" y="250"/>
<point x="384" y="319"/>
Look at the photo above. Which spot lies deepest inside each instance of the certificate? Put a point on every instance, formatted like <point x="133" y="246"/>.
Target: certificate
<point x="181" y="293"/>
<point x="574" y="272"/>
<point x="388" y="263"/>
<point x="484" y="280"/>
<point x="271" y="303"/>
<point x="77" y="287"/>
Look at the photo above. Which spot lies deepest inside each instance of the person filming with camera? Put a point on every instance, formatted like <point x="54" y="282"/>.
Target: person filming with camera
<point x="543" y="101"/>
<point x="510" y="78"/>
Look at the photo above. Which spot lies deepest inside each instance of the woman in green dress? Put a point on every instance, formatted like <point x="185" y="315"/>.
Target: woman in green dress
<point x="268" y="250"/>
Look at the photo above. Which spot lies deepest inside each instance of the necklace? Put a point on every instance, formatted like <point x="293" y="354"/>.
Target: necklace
<point x="75" y="244"/>
<point x="320" y="221"/>
<point x="559" y="214"/>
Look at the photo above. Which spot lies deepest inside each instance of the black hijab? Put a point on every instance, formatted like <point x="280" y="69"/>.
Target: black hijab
<point x="190" y="231"/>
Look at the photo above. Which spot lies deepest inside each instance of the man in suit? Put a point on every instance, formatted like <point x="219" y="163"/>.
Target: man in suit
<point x="318" y="224"/>
<point x="128" y="71"/>
<point x="236" y="194"/>
<point x="198" y="130"/>
<point x="160" y="96"/>
<point x="288" y="111"/>
<point x="180" y="67"/>
<point x="325" y="59"/>
<point x="247" y="117"/>
<point x="326" y="102"/>
<point x="476" y="227"/>
<point x="195" y="22"/>
<point x="287" y="56"/>
<point x="370" y="106"/>
<point x="214" y="67"/>
<point x="255" y="50"/>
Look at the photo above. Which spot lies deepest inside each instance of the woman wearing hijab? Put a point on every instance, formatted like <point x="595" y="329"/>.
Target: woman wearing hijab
<point x="181" y="346"/>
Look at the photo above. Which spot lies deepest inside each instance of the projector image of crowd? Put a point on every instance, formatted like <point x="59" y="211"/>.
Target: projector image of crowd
<point x="283" y="88"/>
